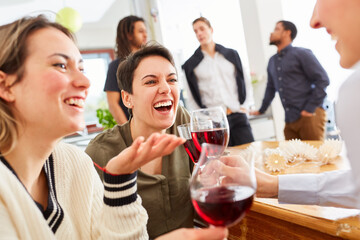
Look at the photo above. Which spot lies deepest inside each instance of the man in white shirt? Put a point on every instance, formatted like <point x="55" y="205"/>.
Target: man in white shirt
<point x="215" y="77"/>
<point x="336" y="188"/>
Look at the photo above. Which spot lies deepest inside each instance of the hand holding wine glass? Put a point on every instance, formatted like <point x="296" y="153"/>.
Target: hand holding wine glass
<point x="222" y="187"/>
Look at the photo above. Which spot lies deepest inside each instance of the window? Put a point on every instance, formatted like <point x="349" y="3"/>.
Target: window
<point x="96" y="64"/>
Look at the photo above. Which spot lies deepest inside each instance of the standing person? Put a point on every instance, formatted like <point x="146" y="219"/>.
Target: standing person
<point x="130" y="36"/>
<point x="150" y="90"/>
<point x="301" y="82"/>
<point x="334" y="188"/>
<point x="215" y="77"/>
<point x="50" y="189"/>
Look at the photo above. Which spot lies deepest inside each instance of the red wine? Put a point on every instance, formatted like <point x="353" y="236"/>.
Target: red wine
<point x="217" y="136"/>
<point x="223" y="206"/>
<point x="191" y="150"/>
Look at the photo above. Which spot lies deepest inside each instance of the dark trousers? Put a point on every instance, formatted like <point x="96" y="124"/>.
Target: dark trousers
<point x="240" y="130"/>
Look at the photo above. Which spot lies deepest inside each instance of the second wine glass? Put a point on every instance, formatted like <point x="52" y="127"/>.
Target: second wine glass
<point x="222" y="187"/>
<point x="192" y="151"/>
<point x="210" y="125"/>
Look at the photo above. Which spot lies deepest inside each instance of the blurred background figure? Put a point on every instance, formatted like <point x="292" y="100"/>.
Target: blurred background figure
<point x="130" y="36"/>
<point x="215" y="78"/>
<point x="301" y="81"/>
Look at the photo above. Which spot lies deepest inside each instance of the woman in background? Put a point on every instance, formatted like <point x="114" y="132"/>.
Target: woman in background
<point x="131" y="34"/>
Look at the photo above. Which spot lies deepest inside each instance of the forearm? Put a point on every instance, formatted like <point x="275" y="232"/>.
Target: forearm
<point x="118" y="114"/>
<point x="249" y="101"/>
<point x="113" y="98"/>
<point x="334" y="188"/>
<point x="122" y="216"/>
<point x="318" y="78"/>
<point x="268" y="97"/>
<point x="315" y="100"/>
<point x="267" y="185"/>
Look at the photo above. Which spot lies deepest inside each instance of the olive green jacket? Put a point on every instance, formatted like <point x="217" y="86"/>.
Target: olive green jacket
<point x="166" y="196"/>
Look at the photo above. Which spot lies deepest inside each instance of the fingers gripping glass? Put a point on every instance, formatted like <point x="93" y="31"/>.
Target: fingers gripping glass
<point x="222" y="187"/>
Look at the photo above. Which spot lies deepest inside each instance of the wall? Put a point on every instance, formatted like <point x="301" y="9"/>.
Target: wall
<point x="319" y="41"/>
<point x="102" y="34"/>
<point x="259" y="19"/>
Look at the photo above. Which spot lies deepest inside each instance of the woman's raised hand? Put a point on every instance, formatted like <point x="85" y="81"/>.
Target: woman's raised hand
<point x="142" y="152"/>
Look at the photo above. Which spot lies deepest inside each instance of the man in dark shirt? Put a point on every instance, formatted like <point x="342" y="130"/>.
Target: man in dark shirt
<point x="301" y="82"/>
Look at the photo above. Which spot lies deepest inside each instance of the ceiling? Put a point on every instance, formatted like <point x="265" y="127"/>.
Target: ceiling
<point x="90" y="10"/>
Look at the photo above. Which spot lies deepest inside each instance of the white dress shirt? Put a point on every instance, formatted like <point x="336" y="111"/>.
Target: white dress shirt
<point x="336" y="187"/>
<point x="217" y="84"/>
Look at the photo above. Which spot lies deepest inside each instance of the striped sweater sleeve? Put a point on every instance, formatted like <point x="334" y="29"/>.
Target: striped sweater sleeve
<point x="123" y="216"/>
<point x="119" y="190"/>
<point x="115" y="210"/>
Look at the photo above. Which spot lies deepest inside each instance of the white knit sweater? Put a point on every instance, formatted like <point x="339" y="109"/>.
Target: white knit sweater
<point x="79" y="206"/>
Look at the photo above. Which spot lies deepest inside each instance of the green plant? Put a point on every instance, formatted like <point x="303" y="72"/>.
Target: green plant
<point x="105" y="118"/>
<point x="254" y="78"/>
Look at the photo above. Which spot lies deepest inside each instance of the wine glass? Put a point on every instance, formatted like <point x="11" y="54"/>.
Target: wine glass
<point x="210" y="125"/>
<point x="222" y="187"/>
<point x="192" y="151"/>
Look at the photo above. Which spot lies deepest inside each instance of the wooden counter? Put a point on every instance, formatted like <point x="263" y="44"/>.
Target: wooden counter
<point x="268" y="219"/>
